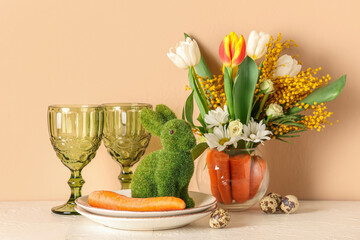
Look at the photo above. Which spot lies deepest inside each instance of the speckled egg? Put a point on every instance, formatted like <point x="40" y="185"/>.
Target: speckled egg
<point x="276" y="196"/>
<point x="268" y="204"/>
<point x="220" y="218"/>
<point x="289" y="204"/>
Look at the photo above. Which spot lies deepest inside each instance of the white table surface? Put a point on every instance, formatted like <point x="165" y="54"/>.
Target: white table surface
<point x="314" y="220"/>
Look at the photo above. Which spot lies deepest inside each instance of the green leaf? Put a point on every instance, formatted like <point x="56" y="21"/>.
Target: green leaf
<point x="324" y="94"/>
<point x="202" y="130"/>
<point x="183" y="114"/>
<point x="289" y="136"/>
<point x="189" y="108"/>
<point x="294" y="124"/>
<point x="198" y="150"/>
<point x="228" y="87"/>
<point x="284" y="140"/>
<point x="244" y="88"/>
<point x="201" y="69"/>
<point x="201" y="121"/>
<point x="297" y="131"/>
<point x="286" y="119"/>
<point x="198" y="98"/>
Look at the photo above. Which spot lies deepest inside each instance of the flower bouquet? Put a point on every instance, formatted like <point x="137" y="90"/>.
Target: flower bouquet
<point x="261" y="94"/>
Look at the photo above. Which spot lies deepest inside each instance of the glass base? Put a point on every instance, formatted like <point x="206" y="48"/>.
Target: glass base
<point x="65" y="209"/>
<point x="238" y="207"/>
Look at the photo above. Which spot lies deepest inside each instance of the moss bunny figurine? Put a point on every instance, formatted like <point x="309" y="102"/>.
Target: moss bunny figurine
<point x="166" y="172"/>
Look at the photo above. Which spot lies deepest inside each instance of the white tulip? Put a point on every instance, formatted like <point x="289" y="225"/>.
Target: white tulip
<point x="187" y="54"/>
<point x="256" y="44"/>
<point x="235" y="128"/>
<point x="267" y="86"/>
<point x="274" y="110"/>
<point x="286" y="65"/>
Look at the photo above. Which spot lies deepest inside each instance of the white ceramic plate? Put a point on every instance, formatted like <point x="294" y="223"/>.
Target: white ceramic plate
<point x="202" y="202"/>
<point x="145" y="224"/>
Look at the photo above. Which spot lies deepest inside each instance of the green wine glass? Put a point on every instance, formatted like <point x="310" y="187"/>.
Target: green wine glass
<point x="124" y="136"/>
<point x="75" y="133"/>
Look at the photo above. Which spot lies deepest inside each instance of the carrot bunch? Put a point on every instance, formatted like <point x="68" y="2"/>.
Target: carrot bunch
<point x="234" y="178"/>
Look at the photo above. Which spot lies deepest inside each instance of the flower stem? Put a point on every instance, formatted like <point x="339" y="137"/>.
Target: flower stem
<point x="267" y="120"/>
<point x="257" y="98"/>
<point x="202" y="94"/>
<point x="228" y="87"/>
<point x="262" y="105"/>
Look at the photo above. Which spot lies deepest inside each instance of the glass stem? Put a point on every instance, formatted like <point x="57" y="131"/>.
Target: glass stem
<point x="125" y="177"/>
<point x="75" y="182"/>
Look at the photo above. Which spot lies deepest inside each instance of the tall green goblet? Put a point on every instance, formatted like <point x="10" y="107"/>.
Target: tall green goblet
<point x="75" y="133"/>
<point x="124" y="136"/>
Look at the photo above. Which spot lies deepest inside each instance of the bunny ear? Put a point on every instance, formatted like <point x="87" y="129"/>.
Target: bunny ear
<point x="152" y="121"/>
<point x="166" y="112"/>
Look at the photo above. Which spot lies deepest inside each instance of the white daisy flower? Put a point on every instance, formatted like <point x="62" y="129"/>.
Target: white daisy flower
<point x="217" y="117"/>
<point x="220" y="138"/>
<point x="255" y="132"/>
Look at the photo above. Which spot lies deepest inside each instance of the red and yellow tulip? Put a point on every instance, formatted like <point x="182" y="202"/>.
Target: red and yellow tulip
<point x="232" y="50"/>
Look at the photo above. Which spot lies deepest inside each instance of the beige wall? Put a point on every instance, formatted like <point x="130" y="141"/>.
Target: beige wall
<point x="115" y="51"/>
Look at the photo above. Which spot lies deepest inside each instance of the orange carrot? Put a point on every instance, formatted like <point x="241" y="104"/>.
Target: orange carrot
<point x="114" y="201"/>
<point x="240" y="177"/>
<point x="210" y="161"/>
<point x="258" y="169"/>
<point x="223" y="176"/>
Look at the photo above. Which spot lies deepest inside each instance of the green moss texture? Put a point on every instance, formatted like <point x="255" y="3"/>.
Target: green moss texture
<point x="166" y="172"/>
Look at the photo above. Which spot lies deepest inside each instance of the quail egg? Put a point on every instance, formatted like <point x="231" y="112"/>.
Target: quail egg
<point x="276" y="196"/>
<point x="220" y="218"/>
<point x="289" y="204"/>
<point x="268" y="204"/>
